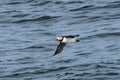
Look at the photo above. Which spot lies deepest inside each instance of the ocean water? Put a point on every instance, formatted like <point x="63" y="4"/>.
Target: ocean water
<point x="28" y="29"/>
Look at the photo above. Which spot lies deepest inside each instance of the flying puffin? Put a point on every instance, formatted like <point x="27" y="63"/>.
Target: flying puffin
<point x="63" y="40"/>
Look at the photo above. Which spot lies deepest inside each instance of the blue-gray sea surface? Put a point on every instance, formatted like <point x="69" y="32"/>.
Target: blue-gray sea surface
<point x="28" y="29"/>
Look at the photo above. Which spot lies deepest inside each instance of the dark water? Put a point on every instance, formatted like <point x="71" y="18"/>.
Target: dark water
<point x="28" y="29"/>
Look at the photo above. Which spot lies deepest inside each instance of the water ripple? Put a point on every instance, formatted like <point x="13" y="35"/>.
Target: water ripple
<point x="42" y="18"/>
<point x="102" y="35"/>
<point x="40" y="3"/>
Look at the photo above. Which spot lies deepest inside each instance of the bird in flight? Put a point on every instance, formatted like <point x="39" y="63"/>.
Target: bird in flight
<point x="64" y="40"/>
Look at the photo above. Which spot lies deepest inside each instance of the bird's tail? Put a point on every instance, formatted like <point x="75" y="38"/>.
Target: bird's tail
<point x="77" y="40"/>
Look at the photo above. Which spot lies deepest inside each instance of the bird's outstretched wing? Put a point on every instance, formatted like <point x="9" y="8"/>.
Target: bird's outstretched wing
<point x="71" y="36"/>
<point x="59" y="48"/>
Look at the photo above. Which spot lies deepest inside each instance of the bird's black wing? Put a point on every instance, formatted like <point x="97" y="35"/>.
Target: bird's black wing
<point x="59" y="48"/>
<point x="71" y="36"/>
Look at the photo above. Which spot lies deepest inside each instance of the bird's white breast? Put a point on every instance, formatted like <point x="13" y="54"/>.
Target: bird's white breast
<point x="67" y="40"/>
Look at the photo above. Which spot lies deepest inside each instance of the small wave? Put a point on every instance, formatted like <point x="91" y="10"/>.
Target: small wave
<point x="40" y="3"/>
<point x="65" y="61"/>
<point x="102" y="35"/>
<point x="83" y="74"/>
<point x="24" y="59"/>
<point x="95" y="7"/>
<point x="27" y="73"/>
<point x="20" y="15"/>
<point x="55" y="69"/>
<point x="11" y="11"/>
<point x="112" y="5"/>
<point x="42" y="18"/>
<point x="108" y="34"/>
<point x="14" y="3"/>
<point x="87" y="7"/>
<point x="82" y="54"/>
<point x="18" y="2"/>
<point x="48" y="34"/>
<point x="24" y="48"/>
<point x="38" y="30"/>
<point x="26" y="69"/>
<point x="42" y="48"/>
<point x="34" y="47"/>
<point x="68" y="2"/>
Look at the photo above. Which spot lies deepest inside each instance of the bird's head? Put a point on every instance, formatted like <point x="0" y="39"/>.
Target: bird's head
<point x="58" y="38"/>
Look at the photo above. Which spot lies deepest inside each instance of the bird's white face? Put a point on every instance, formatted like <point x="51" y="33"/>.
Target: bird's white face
<point x="58" y="38"/>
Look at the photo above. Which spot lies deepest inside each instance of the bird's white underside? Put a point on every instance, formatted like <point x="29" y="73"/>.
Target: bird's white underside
<point x="68" y="40"/>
